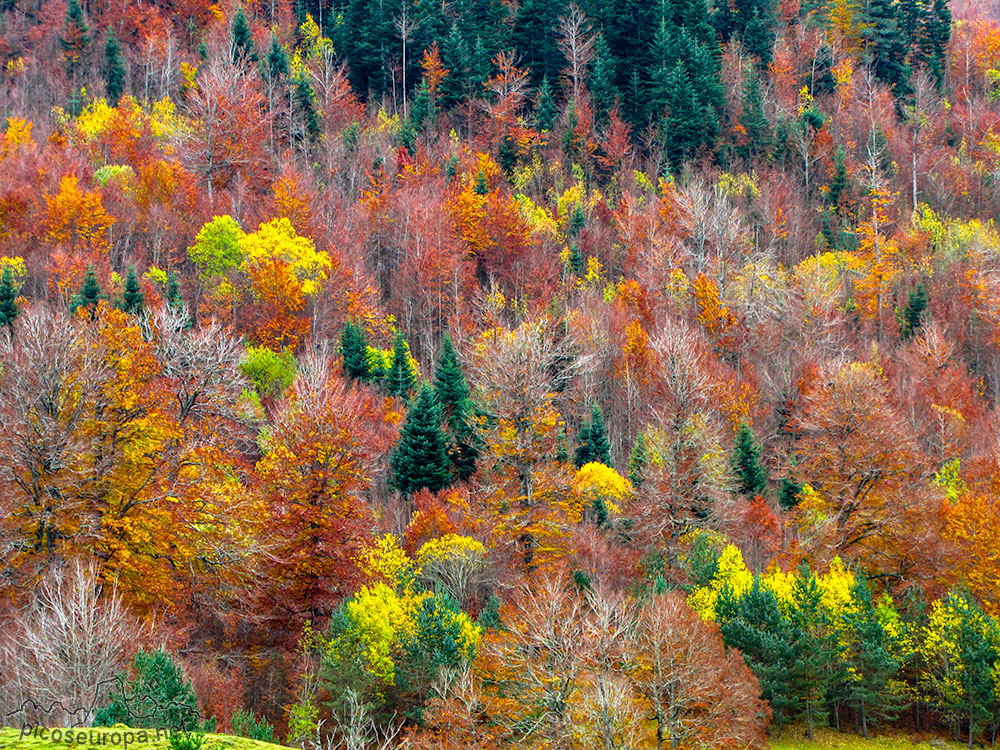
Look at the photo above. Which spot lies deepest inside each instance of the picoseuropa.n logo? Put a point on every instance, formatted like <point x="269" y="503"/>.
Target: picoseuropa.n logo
<point x="103" y="736"/>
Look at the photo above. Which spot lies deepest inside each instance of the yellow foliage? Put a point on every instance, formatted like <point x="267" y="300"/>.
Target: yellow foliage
<point x="18" y="134"/>
<point x="386" y="562"/>
<point x="448" y="547"/>
<point x="95" y="119"/>
<point x="731" y="573"/>
<point x="16" y="265"/>
<point x="596" y="479"/>
<point x="277" y="239"/>
<point x="538" y="218"/>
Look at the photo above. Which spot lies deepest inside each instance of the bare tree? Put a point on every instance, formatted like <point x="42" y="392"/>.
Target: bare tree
<point x="60" y="654"/>
<point x="576" y="42"/>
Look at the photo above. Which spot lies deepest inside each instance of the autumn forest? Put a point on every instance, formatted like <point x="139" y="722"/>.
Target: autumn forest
<point x="497" y="374"/>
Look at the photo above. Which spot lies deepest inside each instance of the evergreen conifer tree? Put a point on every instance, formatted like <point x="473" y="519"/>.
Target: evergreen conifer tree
<point x="354" y="351"/>
<point x="305" y="104"/>
<point x="89" y="294"/>
<point x="603" y="88"/>
<point x="452" y="393"/>
<point x="157" y="696"/>
<point x="9" y="309"/>
<point x="545" y="107"/>
<point x="400" y="379"/>
<point x="913" y="314"/>
<point x="593" y="441"/>
<point x="751" y="477"/>
<point x="421" y="457"/>
<point x="637" y="460"/>
<point x="754" y="121"/>
<point x="241" y="39"/>
<point x="75" y="39"/>
<point x="133" y="299"/>
<point x="423" y="112"/>
<point x="276" y="67"/>
<point x="114" y="68"/>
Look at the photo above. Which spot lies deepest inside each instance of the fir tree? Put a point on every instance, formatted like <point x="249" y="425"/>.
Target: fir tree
<point x="421" y="457"/>
<point x="593" y="441"/>
<point x="814" y="643"/>
<point x="758" y="36"/>
<point x="276" y="67"/>
<point x="354" y="351"/>
<point x="788" y="495"/>
<point x="936" y="33"/>
<point x="400" y="379"/>
<point x="75" y="39"/>
<point x="577" y="263"/>
<point x="157" y="696"/>
<point x="637" y="460"/>
<point x="913" y="314"/>
<point x="423" y="113"/>
<point x="751" y="477"/>
<point x="174" y="298"/>
<point x="838" y="182"/>
<point x="114" y="68"/>
<point x="241" y="40"/>
<point x="454" y="57"/>
<point x="885" y="46"/>
<point x="89" y="294"/>
<point x="754" y="121"/>
<point x="304" y="98"/>
<point x="452" y="393"/>
<point x="133" y="299"/>
<point x="603" y="89"/>
<point x="545" y="107"/>
<point x="9" y="309"/>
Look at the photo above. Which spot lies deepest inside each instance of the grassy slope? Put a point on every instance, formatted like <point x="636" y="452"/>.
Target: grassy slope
<point x="11" y="738"/>
<point x="827" y="739"/>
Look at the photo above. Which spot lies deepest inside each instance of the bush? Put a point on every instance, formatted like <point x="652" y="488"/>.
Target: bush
<point x="246" y="725"/>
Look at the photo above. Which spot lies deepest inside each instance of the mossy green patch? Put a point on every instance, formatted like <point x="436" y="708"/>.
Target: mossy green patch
<point x="793" y="738"/>
<point x="114" y="738"/>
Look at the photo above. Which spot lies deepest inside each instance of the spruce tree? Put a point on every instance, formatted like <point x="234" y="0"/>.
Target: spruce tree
<point x="637" y="460"/>
<point x="593" y="441"/>
<point x="9" y="309"/>
<point x="400" y="379"/>
<point x="838" y="182"/>
<point x="420" y="460"/>
<point x="545" y="107"/>
<point x="758" y="36"/>
<point x="354" y="351"/>
<point x="754" y="121"/>
<point x="814" y="643"/>
<point x="934" y="38"/>
<point x="423" y="113"/>
<point x="276" y="67"/>
<point x="885" y="46"/>
<point x="454" y="57"/>
<point x="133" y="299"/>
<point x="603" y="89"/>
<point x="114" y="68"/>
<point x="241" y="40"/>
<point x="304" y="98"/>
<point x="174" y="298"/>
<point x="788" y="495"/>
<point x="89" y="294"/>
<point x="157" y="696"/>
<point x="452" y="393"/>
<point x="913" y="314"/>
<point x="75" y="39"/>
<point x="751" y="476"/>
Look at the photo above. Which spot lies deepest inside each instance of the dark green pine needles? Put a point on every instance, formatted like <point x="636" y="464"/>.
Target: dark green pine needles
<point x="421" y="457"/>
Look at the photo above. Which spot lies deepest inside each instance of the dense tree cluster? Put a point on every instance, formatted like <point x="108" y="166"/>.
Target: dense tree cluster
<point x="493" y="375"/>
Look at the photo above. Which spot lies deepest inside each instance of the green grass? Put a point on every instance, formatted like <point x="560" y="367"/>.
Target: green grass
<point x="12" y="738"/>
<point x="793" y="738"/>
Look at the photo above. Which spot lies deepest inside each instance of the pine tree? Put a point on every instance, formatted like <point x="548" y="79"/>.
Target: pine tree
<point x="400" y="379"/>
<point x="354" y="351"/>
<point x="133" y="299"/>
<point x="452" y="393"/>
<point x="454" y="57"/>
<point x="276" y="67"/>
<point x="545" y="107"/>
<point x="885" y="46"/>
<point x="421" y="457"/>
<point x="114" y="68"/>
<point x="157" y="696"/>
<point x="758" y="36"/>
<point x="603" y="89"/>
<point x="75" y="39"/>
<point x="9" y="309"/>
<point x="424" y="112"/>
<point x="241" y="40"/>
<point x="754" y="121"/>
<point x="751" y="477"/>
<point x="814" y="644"/>
<point x="637" y="460"/>
<point x="936" y="33"/>
<point x="304" y="98"/>
<point x="89" y="294"/>
<point x="915" y="306"/>
<point x="593" y="441"/>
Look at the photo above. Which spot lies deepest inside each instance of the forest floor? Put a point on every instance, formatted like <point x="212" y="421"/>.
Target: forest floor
<point x="108" y="738"/>
<point x="793" y="738"/>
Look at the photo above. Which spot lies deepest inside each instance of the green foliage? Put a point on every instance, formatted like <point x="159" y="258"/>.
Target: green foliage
<point x="354" y="351"/>
<point x="424" y="112"/>
<point x="603" y="88"/>
<point x="9" y="309"/>
<point x="754" y="121"/>
<point x="246" y="725"/>
<point x="401" y="378"/>
<point x="702" y="561"/>
<point x="304" y="100"/>
<point x="276" y="68"/>
<point x="751" y="475"/>
<point x="89" y="294"/>
<point x="421" y="456"/>
<point x="592" y="440"/>
<point x="453" y="396"/>
<point x="271" y="372"/>
<point x="133" y="300"/>
<point x="241" y="39"/>
<point x="114" y="68"/>
<point x="216" y="248"/>
<point x="545" y="107"/>
<point x="912" y="315"/>
<point x="637" y="460"/>
<point x="186" y="740"/>
<point x="154" y="695"/>
<point x="788" y="494"/>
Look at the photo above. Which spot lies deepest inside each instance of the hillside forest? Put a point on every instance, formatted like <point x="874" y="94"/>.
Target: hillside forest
<point x="501" y="373"/>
